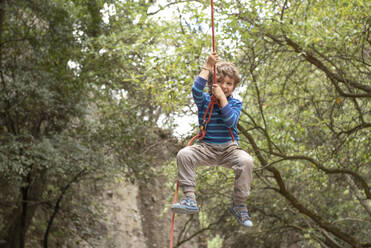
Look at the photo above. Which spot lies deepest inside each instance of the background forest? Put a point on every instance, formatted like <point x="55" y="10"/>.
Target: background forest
<point x="91" y="92"/>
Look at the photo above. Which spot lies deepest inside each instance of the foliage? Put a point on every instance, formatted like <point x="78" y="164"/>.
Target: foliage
<point x="306" y="119"/>
<point x="90" y="88"/>
<point x="73" y="109"/>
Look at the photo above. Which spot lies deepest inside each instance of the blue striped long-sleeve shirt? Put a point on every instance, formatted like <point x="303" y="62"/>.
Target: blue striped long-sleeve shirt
<point x="217" y="131"/>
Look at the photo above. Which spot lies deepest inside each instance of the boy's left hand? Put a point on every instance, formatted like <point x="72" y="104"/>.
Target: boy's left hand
<point x="219" y="94"/>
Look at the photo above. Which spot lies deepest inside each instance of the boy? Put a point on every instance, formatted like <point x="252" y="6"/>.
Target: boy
<point x="218" y="146"/>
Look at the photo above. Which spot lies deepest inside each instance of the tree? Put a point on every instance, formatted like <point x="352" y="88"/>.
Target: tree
<point x="306" y="119"/>
<point x="76" y="107"/>
<point x="310" y="115"/>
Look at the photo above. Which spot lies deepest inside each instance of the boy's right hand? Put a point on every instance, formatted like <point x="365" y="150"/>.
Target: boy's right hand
<point x="211" y="60"/>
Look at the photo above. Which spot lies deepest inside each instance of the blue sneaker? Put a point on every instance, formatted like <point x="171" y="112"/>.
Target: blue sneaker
<point x="186" y="205"/>
<point x="241" y="214"/>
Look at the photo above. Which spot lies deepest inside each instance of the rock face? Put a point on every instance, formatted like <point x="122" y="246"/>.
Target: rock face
<point x="134" y="217"/>
<point x="156" y="223"/>
<point x="121" y="207"/>
<point x="120" y="225"/>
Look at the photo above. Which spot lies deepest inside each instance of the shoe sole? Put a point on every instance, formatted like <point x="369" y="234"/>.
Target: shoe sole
<point x="184" y="211"/>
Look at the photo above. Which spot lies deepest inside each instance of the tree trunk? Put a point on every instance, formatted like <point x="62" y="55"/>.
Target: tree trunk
<point x="21" y="217"/>
<point x="2" y="13"/>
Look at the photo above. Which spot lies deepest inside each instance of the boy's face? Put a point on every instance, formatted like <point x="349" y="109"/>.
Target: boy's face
<point x="226" y="83"/>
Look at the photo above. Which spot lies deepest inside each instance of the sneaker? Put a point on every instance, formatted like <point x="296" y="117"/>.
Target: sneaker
<point x="185" y="206"/>
<point x="241" y="214"/>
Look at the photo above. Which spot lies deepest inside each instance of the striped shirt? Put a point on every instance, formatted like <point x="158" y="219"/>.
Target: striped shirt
<point x="217" y="131"/>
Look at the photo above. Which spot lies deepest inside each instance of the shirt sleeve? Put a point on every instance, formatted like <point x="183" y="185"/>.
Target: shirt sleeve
<point x="198" y="91"/>
<point x="231" y="113"/>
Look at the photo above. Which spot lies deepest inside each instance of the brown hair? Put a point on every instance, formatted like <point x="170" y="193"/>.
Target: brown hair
<point x="224" y="69"/>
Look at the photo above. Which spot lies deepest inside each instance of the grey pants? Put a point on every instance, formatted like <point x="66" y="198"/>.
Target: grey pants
<point x="227" y="155"/>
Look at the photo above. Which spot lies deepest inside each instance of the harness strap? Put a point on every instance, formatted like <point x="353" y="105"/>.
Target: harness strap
<point x="208" y="113"/>
<point x="200" y="136"/>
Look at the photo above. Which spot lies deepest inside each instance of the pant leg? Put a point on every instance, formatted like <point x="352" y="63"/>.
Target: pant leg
<point x="188" y="159"/>
<point x="242" y="163"/>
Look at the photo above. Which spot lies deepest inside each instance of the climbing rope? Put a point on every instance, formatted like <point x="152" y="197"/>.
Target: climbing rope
<point x="203" y="126"/>
<point x="173" y="216"/>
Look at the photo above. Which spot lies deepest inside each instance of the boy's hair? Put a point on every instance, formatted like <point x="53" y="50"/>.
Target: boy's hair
<point x="225" y="69"/>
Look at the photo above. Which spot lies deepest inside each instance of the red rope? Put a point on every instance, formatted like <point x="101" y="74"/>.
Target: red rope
<point x="173" y="216"/>
<point x="213" y="35"/>
<point x="212" y="23"/>
<point x="202" y="133"/>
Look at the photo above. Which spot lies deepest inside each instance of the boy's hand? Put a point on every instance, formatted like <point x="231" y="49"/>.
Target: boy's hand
<point x="219" y="94"/>
<point x="209" y="65"/>
<point x="211" y="60"/>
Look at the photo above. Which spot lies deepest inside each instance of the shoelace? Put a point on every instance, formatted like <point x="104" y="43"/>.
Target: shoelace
<point x="243" y="212"/>
<point x="245" y="215"/>
<point x="188" y="202"/>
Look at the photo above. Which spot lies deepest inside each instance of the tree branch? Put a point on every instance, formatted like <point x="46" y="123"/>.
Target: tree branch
<point x="294" y="201"/>
<point x="168" y="5"/>
<point x="201" y="231"/>
<point x="330" y="171"/>
<point x="333" y="77"/>
<point x="57" y="205"/>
